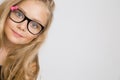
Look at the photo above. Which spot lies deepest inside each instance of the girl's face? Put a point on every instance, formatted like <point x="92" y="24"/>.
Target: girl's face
<point x="37" y="16"/>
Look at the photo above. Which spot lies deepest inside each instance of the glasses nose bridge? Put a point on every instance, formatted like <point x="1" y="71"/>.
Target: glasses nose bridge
<point x="28" y="20"/>
<point x="25" y="22"/>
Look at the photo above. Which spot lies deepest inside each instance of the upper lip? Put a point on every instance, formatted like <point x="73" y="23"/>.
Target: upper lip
<point x="17" y="33"/>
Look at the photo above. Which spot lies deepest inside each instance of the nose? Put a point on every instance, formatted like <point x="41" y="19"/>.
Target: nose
<point x="23" y="25"/>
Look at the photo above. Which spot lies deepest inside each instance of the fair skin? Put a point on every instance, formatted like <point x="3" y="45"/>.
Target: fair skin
<point x="17" y="33"/>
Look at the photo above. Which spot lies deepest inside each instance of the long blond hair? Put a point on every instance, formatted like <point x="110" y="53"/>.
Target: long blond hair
<point x="18" y="63"/>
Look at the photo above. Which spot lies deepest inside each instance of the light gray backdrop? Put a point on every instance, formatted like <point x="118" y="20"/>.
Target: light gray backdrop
<point x="83" y="41"/>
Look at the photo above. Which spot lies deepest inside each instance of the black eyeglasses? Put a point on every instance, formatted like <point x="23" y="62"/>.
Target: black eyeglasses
<point x="33" y="27"/>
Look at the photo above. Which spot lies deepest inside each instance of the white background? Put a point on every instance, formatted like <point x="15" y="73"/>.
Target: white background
<point x="83" y="42"/>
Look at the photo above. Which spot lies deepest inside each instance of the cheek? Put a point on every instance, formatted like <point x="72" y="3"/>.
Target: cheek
<point x="9" y="24"/>
<point x="28" y="38"/>
<point x="7" y="29"/>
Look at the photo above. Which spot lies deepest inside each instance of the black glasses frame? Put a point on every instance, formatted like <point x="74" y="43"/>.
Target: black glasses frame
<point x="29" y="20"/>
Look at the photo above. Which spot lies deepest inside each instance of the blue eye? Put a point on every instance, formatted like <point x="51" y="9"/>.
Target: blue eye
<point x="35" y="25"/>
<point x="19" y="14"/>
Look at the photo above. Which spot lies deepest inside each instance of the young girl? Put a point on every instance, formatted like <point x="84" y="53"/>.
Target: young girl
<point x="23" y="28"/>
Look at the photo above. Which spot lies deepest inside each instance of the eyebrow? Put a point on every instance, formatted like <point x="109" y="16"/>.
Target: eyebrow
<point x="28" y="17"/>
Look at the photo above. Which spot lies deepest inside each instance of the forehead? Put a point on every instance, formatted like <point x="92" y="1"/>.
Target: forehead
<point x="35" y="10"/>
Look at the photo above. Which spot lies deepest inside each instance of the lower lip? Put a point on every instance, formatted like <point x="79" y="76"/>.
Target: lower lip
<point x="17" y="35"/>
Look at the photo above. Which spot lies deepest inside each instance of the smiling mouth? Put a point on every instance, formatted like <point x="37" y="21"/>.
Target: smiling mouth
<point x="16" y="34"/>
